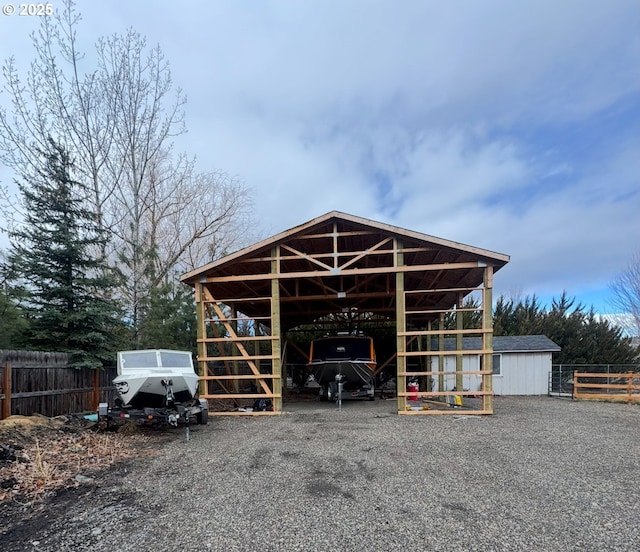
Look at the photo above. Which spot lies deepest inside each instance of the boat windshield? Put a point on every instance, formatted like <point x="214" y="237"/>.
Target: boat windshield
<point x="171" y="359"/>
<point x="342" y="347"/>
<point x="139" y="359"/>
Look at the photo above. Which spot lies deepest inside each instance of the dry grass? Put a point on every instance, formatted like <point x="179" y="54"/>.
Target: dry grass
<point x="49" y="455"/>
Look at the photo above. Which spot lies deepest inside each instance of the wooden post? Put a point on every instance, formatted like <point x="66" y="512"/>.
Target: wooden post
<point x="6" y="389"/>
<point x="276" y="331"/>
<point x="441" y="382"/>
<point x="629" y="387"/>
<point x="235" y="367"/>
<point x="459" y="344"/>
<point x="201" y="335"/>
<point x="429" y="363"/>
<point x="96" y="389"/>
<point x="487" y="339"/>
<point x="401" y="326"/>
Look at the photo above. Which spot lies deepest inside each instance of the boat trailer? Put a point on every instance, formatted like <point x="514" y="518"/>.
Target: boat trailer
<point x="172" y="413"/>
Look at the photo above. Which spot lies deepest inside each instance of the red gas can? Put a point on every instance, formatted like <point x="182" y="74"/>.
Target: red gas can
<point x="412" y="388"/>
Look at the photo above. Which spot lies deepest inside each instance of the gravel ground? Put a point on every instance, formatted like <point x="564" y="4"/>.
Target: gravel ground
<point x="540" y="474"/>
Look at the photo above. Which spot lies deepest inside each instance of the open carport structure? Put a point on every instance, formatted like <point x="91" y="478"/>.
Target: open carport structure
<point x="332" y="265"/>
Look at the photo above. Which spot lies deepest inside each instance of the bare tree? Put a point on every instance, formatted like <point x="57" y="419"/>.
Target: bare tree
<point x="626" y="291"/>
<point x="118" y="120"/>
<point x="51" y="102"/>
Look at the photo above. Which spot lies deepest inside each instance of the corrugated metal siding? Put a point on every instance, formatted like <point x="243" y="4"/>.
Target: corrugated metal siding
<point x="522" y="373"/>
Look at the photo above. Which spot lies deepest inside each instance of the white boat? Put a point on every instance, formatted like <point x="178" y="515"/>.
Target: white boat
<point x="155" y="378"/>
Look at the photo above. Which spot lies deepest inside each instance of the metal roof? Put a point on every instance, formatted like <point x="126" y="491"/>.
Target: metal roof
<point x="506" y="344"/>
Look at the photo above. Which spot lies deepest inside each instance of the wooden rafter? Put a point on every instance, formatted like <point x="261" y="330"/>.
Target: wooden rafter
<point x="310" y="258"/>
<point x="366" y="252"/>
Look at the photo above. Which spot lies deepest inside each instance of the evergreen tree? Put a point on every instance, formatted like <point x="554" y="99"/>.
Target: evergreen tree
<point x="13" y="324"/>
<point x="470" y="318"/>
<point x="55" y="254"/>
<point x="168" y="319"/>
<point x="523" y="318"/>
<point x="583" y="337"/>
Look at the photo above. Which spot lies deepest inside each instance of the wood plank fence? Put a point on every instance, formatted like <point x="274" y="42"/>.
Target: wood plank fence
<point x="43" y="383"/>
<point x="607" y="387"/>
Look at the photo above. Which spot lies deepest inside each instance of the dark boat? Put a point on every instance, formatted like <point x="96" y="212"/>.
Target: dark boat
<point x="351" y="358"/>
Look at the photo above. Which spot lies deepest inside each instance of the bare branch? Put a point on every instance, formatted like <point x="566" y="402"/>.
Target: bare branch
<point x="626" y="291"/>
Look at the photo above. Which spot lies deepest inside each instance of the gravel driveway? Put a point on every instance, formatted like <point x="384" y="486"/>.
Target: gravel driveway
<point x="541" y="474"/>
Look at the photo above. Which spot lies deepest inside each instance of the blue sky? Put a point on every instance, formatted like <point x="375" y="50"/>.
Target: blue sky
<point x="512" y="126"/>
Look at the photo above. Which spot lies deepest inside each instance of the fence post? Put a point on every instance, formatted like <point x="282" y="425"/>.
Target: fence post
<point x="96" y="388"/>
<point x="6" y="389"/>
<point x="629" y="386"/>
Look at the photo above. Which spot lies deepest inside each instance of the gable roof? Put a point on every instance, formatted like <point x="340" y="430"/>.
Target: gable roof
<point x="497" y="259"/>
<point x="338" y="262"/>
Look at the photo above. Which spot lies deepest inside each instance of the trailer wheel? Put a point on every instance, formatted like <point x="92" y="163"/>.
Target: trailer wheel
<point x="202" y="417"/>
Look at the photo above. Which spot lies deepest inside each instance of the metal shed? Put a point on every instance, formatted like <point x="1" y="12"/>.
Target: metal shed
<point x="332" y="265"/>
<point x="521" y="364"/>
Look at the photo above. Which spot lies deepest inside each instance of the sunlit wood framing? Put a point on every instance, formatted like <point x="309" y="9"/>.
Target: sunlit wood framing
<point x="247" y="302"/>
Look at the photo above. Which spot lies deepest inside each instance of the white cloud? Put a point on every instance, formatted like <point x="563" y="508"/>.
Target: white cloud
<point x="506" y="125"/>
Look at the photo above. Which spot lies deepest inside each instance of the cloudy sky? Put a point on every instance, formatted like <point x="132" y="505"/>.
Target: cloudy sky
<point x="511" y="125"/>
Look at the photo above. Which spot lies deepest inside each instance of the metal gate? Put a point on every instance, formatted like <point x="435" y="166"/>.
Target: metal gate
<point x="562" y="376"/>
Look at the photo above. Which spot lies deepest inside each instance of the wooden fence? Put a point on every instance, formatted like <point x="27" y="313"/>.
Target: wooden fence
<point x="607" y="387"/>
<point x="43" y="383"/>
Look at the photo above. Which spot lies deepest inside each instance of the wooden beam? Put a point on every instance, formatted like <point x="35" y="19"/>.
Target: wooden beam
<point x="487" y="338"/>
<point x="447" y="332"/>
<point x="448" y="412"/>
<point x="201" y="333"/>
<point x="276" y="348"/>
<point x="401" y="326"/>
<point x="209" y="299"/>
<point x="275" y="396"/>
<point x="366" y="252"/>
<point x="440" y="351"/>
<point x="347" y="295"/>
<point x="248" y="358"/>
<point x="411" y="312"/>
<point x="451" y="374"/>
<point x="459" y="335"/>
<point x="441" y="393"/>
<point x="443" y="353"/>
<point x="237" y="376"/>
<point x="442" y="290"/>
<point x="340" y="272"/>
<point x="243" y="338"/>
<point x="304" y="256"/>
<point x="337" y="254"/>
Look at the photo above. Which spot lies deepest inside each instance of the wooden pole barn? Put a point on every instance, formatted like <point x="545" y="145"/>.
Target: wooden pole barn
<point x="339" y="263"/>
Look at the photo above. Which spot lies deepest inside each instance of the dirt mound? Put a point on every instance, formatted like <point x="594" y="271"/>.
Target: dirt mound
<point x="40" y="456"/>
